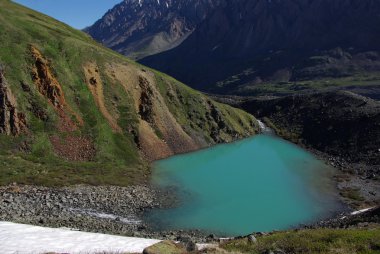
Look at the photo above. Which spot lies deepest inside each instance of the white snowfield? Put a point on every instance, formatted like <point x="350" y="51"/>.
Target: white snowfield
<point x="27" y="239"/>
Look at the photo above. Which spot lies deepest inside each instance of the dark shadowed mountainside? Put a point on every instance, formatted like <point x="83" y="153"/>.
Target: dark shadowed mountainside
<point x="338" y="123"/>
<point x="246" y="46"/>
<point x="138" y="28"/>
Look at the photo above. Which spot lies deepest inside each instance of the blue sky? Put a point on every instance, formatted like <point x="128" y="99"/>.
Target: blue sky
<point x="76" y="13"/>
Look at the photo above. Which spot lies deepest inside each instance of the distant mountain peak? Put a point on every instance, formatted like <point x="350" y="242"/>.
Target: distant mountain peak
<point x="166" y="3"/>
<point x="138" y="28"/>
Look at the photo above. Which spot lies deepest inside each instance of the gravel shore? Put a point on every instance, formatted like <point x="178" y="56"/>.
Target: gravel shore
<point x="99" y="209"/>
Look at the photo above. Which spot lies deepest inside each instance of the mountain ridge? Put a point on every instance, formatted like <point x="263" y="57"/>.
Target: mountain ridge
<point x="149" y="26"/>
<point x="274" y="42"/>
<point x="250" y="46"/>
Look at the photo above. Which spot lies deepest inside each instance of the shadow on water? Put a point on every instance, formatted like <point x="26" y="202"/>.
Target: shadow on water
<point x="259" y="184"/>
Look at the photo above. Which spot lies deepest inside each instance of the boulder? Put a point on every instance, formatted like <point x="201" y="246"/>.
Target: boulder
<point x="252" y="239"/>
<point x="165" y="247"/>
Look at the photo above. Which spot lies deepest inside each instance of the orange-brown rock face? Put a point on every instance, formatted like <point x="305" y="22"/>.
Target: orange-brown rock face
<point x="46" y="83"/>
<point x="50" y="88"/>
<point x="71" y="146"/>
<point x="12" y="122"/>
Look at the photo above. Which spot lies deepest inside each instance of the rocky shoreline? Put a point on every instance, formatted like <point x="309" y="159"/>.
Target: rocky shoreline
<point x="98" y="209"/>
<point x="358" y="219"/>
<point x="114" y="210"/>
<point x="357" y="184"/>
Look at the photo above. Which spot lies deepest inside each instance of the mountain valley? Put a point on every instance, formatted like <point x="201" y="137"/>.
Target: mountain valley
<point x="238" y="116"/>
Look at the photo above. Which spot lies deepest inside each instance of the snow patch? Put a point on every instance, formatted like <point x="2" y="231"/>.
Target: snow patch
<point x="216" y="47"/>
<point x="131" y="220"/>
<point x="27" y="239"/>
<point x="203" y="246"/>
<point x="362" y="211"/>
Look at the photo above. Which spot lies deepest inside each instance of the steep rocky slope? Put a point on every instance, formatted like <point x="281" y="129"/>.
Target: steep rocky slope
<point x="11" y="121"/>
<point x="72" y="111"/>
<point x="337" y="123"/>
<point x="246" y="45"/>
<point x="138" y="28"/>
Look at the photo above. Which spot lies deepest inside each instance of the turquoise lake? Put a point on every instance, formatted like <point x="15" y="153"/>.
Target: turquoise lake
<point x="258" y="184"/>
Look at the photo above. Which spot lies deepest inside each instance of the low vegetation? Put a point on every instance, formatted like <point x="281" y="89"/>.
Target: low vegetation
<point x="365" y="80"/>
<point x="311" y="241"/>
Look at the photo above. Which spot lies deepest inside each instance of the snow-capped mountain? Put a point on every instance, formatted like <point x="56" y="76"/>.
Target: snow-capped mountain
<point x="143" y="27"/>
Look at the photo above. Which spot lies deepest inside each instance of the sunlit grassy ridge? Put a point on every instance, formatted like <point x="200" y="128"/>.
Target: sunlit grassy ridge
<point x="30" y="158"/>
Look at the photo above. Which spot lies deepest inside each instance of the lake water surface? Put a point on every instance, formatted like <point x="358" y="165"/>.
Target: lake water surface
<point x="258" y="184"/>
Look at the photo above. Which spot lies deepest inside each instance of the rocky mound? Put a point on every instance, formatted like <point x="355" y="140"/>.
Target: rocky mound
<point x="337" y="123"/>
<point x="12" y="122"/>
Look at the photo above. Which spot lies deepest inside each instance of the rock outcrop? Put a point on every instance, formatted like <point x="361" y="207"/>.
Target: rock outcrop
<point x="146" y="101"/>
<point x="46" y="83"/>
<point x="51" y="89"/>
<point x="12" y="122"/>
<point x="72" y="147"/>
<point x="165" y="247"/>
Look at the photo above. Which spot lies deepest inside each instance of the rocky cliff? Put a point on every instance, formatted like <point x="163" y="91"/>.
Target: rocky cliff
<point x="138" y="28"/>
<point x="12" y="122"/>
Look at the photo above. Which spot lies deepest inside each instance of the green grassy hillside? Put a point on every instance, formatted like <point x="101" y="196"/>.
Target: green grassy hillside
<point x="73" y="111"/>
